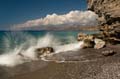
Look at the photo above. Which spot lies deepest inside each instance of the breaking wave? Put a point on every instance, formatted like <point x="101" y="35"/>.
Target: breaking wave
<point x="11" y="58"/>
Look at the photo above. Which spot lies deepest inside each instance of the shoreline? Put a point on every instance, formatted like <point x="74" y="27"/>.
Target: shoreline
<point x="86" y="64"/>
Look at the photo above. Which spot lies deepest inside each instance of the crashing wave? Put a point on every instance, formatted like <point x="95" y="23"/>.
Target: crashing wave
<point x="13" y="57"/>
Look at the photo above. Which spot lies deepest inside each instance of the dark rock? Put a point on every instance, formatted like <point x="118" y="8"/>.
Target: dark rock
<point x="88" y="43"/>
<point x="88" y="40"/>
<point x="44" y="51"/>
<point x="83" y="36"/>
<point x="108" y="52"/>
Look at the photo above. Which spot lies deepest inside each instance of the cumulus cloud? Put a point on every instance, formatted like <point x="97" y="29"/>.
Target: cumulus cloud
<point x="82" y="18"/>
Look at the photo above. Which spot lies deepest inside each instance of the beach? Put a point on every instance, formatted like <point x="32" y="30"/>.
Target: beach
<point x="62" y="41"/>
<point x="84" y="64"/>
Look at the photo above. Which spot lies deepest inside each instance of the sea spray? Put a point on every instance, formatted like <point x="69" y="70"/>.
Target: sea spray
<point x="13" y="40"/>
<point x="68" y="47"/>
<point x="26" y="48"/>
<point x="63" y="49"/>
<point x="48" y="40"/>
<point x="11" y="58"/>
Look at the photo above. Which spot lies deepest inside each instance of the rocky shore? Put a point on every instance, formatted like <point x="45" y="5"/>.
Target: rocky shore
<point x="100" y="58"/>
<point x="82" y="64"/>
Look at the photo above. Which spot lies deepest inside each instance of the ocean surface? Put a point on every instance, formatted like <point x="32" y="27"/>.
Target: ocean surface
<point x="13" y="42"/>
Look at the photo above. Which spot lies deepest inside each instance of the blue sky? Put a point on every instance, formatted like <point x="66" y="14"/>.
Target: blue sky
<point x="19" y="11"/>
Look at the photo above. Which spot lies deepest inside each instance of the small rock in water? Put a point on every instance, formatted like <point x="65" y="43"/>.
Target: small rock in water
<point x="108" y="52"/>
<point x="43" y="51"/>
<point x="99" y="43"/>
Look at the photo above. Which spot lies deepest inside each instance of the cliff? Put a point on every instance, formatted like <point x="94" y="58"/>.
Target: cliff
<point x="107" y="10"/>
<point x="109" y="18"/>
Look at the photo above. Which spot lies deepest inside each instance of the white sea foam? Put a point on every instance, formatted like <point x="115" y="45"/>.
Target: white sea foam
<point x="68" y="47"/>
<point x="12" y="58"/>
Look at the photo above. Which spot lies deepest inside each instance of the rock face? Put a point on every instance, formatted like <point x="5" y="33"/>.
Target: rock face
<point x="109" y="18"/>
<point x="107" y="10"/>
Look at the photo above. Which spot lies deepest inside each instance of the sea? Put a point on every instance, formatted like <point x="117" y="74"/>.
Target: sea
<point x="14" y="42"/>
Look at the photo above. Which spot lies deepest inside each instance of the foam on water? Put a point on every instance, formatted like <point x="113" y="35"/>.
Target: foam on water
<point x="12" y="58"/>
<point x="68" y="47"/>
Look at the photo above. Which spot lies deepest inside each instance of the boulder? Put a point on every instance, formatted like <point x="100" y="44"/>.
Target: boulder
<point x="43" y="51"/>
<point x="108" y="52"/>
<point x="87" y="39"/>
<point x="99" y="43"/>
<point x="88" y="44"/>
<point x="83" y="36"/>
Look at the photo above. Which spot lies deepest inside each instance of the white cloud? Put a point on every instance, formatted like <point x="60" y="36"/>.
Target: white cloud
<point x="82" y="18"/>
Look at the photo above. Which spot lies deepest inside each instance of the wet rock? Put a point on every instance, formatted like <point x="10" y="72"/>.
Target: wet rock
<point x="99" y="43"/>
<point x="108" y="52"/>
<point x="88" y="43"/>
<point x="44" y="51"/>
<point x="96" y="41"/>
<point x="88" y="40"/>
<point x="83" y="36"/>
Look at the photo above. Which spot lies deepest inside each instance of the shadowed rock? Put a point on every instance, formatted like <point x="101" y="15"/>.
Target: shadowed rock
<point x="108" y="52"/>
<point x="43" y="51"/>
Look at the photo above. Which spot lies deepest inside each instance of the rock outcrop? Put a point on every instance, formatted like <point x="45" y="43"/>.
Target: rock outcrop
<point x="91" y="41"/>
<point x="87" y="39"/>
<point x="109" y="19"/>
<point x="107" y="10"/>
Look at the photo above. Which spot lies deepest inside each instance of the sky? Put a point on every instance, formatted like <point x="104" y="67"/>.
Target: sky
<point x="18" y="11"/>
